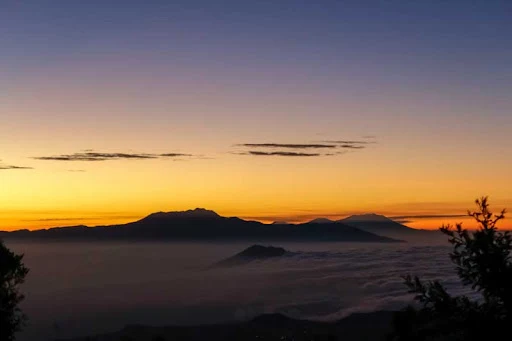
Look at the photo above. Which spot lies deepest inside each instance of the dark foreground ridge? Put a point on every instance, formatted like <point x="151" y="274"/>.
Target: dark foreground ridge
<point x="253" y="253"/>
<point x="202" y="225"/>
<point x="272" y="327"/>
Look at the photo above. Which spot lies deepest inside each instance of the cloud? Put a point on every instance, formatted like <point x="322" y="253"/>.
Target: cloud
<point x="9" y="167"/>
<point x="323" y="148"/>
<point x="352" y="146"/>
<point x="280" y="153"/>
<point x="174" y="155"/>
<point x="77" y="170"/>
<point x="348" y="142"/>
<point x="287" y="145"/>
<point x="427" y="216"/>
<point x="96" y="156"/>
<point x="403" y="221"/>
<point x="82" y="218"/>
<point x="57" y="219"/>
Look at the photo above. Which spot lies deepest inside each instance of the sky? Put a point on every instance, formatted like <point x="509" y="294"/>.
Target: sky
<point x="267" y="110"/>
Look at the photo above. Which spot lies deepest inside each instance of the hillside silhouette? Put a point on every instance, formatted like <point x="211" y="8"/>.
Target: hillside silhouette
<point x="384" y="226"/>
<point x="253" y="253"/>
<point x="202" y="225"/>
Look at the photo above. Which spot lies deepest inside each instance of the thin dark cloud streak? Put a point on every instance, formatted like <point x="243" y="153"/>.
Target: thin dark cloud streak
<point x="9" y="167"/>
<point x="351" y="146"/>
<point x="348" y="142"/>
<point x="281" y="153"/>
<point x="428" y="216"/>
<point x="323" y="148"/>
<point x="287" y="145"/>
<point x="403" y="221"/>
<point x="96" y="156"/>
<point x="175" y="155"/>
<point x="82" y="218"/>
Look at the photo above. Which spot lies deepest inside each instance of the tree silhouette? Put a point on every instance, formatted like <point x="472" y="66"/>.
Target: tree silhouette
<point x="12" y="274"/>
<point x="483" y="262"/>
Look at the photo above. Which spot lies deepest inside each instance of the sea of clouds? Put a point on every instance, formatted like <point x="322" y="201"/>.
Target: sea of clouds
<point x="76" y="289"/>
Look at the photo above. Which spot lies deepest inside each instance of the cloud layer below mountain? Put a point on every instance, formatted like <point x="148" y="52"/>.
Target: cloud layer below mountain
<point x="321" y="281"/>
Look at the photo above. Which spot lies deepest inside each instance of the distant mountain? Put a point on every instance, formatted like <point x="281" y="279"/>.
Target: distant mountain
<point x="198" y="213"/>
<point x="381" y="225"/>
<point x="372" y="219"/>
<point x="321" y="221"/>
<point x="253" y="253"/>
<point x="280" y="222"/>
<point x="202" y="225"/>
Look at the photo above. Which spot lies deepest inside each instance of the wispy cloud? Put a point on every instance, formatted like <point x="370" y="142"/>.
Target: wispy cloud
<point x="322" y="148"/>
<point x="403" y="221"/>
<point x="287" y="146"/>
<point x="174" y="155"/>
<point x="352" y="146"/>
<point x="427" y="216"/>
<point x="97" y="156"/>
<point x="11" y="167"/>
<point x="280" y="153"/>
<point x="82" y="218"/>
<point x="94" y="156"/>
<point x="348" y="142"/>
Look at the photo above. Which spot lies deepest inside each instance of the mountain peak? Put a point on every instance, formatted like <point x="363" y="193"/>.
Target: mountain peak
<point x="378" y="224"/>
<point x="321" y="221"/>
<point x="252" y="253"/>
<point x="280" y="222"/>
<point x="260" y="251"/>
<point x="201" y="212"/>
<point x="368" y="217"/>
<point x="195" y="213"/>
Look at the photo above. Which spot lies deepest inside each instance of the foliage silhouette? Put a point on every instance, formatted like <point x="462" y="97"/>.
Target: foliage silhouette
<point x="12" y="275"/>
<point x="483" y="262"/>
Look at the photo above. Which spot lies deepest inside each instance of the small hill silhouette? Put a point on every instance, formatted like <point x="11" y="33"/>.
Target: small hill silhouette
<point x="280" y="222"/>
<point x="253" y="253"/>
<point x="321" y="221"/>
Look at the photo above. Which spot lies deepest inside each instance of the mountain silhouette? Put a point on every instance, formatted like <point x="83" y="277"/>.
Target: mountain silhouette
<point x="321" y="221"/>
<point x="253" y="253"/>
<point x="375" y="220"/>
<point x="198" y="213"/>
<point x="383" y="226"/>
<point x="202" y="225"/>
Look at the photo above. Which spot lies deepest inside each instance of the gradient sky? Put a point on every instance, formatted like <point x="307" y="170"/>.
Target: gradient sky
<point x="423" y="88"/>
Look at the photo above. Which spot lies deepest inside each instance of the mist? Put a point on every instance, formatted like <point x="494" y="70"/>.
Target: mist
<point x="76" y="289"/>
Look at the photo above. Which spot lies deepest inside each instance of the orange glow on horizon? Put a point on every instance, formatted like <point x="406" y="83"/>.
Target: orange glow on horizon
<point x="44" y="220"/>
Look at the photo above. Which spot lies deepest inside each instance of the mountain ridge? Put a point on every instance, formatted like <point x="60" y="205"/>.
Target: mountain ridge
<point x="384" y="226"/>
<point x="203" y="225"/>
<point x="367" y="217"/>
<point x="192" y="213"/>
<point x="321" y="221"/>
